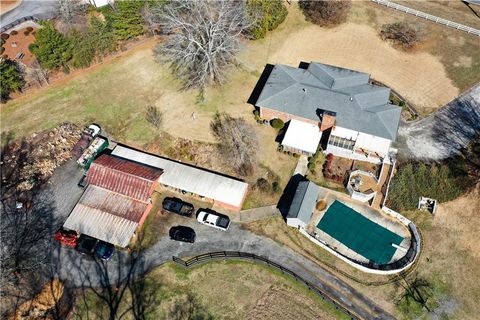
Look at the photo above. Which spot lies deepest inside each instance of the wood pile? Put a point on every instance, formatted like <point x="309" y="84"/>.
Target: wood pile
<point x="32" y="160"/>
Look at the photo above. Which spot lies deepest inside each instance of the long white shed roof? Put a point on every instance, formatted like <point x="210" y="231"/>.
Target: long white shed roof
<point x="191" y="179"/>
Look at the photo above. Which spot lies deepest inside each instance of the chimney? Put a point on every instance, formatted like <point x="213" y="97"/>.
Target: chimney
<point x="328" y="120"/>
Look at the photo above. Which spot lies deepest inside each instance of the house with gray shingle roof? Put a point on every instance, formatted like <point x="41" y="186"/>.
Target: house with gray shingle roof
<point x="357" y="116"/>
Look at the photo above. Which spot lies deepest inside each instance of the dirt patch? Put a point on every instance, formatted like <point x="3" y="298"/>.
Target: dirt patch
<point x="270" y="306"/>
<point x="419" y="76"/>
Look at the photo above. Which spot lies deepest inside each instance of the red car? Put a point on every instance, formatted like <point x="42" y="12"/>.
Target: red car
<point x="66" y="237"/>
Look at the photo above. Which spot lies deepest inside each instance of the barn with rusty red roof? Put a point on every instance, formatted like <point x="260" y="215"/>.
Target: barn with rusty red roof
<point x="116" y="201"/>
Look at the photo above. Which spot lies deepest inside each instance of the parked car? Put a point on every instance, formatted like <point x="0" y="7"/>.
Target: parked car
<point x="178" y="206"/>
<point x="182" y="233"/>
<point x="66" y="237"/>
<point x="213" y="219"/>
<point x="104" y="250"/>
<point x="86" y="244"/>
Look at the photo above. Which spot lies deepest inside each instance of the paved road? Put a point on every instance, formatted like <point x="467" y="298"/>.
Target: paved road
<point x="42" y="9"/>
<point x="444" y="133"/>
<point x="82" y="271"/>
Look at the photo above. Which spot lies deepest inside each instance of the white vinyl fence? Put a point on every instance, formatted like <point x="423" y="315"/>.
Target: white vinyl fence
<point x="427" y="16"/>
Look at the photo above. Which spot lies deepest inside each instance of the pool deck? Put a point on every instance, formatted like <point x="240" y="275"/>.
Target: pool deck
<point x="375" y="215"/>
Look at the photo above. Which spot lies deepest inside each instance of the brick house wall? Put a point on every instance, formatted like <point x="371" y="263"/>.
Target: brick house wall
<point x="269" y="114"/>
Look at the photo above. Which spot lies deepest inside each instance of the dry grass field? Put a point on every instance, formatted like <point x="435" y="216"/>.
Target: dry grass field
<point x="449" y="262"/>
<point x="226" y="290"/>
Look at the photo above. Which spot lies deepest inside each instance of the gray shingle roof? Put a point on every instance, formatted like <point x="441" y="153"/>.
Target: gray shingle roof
<point x="359" y="105"/>
<point x="304" y="201"/>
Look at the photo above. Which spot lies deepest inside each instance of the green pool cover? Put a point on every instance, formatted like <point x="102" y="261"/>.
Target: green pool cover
<point x="358" y="233"/>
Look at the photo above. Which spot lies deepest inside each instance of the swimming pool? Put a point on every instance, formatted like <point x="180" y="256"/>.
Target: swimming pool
<point x="358" y="233"/>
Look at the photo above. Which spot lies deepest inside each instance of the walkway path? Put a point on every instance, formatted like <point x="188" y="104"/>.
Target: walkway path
<point x="302" y="165"/>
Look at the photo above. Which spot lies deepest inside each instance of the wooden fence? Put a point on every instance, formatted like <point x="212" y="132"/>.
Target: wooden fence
<point x="250" y="256"/>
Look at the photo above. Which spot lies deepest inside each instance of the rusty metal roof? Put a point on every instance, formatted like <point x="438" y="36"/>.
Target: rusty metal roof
<point x="106" y="215"/>
<point x="123" y="176"/>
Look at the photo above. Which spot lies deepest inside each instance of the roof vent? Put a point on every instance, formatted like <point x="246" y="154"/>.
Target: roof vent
<point x="304" y="89"/>
<point x="351" y="98"/>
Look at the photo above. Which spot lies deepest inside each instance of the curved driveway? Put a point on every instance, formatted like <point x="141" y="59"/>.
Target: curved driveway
<point x="42" y="9"/>
<point x="81" y="271"/>
<point x="444" y="133"/>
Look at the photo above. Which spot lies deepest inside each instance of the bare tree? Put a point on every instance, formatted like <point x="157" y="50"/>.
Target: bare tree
<point x="154" y="116"/>
<point x="70" y="15"/>
<point x="203" y="39"/>
<point x="238" y="142"/>
<point x="150" y="14"/>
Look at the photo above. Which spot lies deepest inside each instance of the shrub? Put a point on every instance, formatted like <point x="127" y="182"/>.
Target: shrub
<point x="2" y="50"/>
<point x="321" y="205"/>
<point x="277" y="123"/>
<point x="414" y="180"/>
<point x="5" y="36"/>
<point x="401" y="103"/>
<point x="401" y="33"/>
<point x="29" y="29"/>
<point x="312" y="166"/>
<point x="330" y="157"/>
<point x="256" y="114"/>
<point x="325" y="13"/>
<point x="52" y="49"/>
<point x="11" y="78"/>
<point x="267" y="15"/>
<point x="263" y="185"/>
<point x="276" y="187"/>
<point x="14" y="33"/>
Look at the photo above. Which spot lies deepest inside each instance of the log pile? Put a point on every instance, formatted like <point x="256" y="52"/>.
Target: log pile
<point x="32" y="160"/>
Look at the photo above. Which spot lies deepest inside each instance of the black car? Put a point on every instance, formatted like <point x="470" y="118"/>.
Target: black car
<point x="178" y="206"/>
<point x="86" y="244"/>
<point x="104" y="250"/>
<point x="182" y="233"/>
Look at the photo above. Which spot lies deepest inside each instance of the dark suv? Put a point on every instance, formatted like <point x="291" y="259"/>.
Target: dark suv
<point x="86" y="244"/>
<point x="182" y="233"/>
<point x="178" y="206"/>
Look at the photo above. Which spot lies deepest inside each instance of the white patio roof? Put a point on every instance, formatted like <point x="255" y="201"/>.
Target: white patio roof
<point x="302" y="136"/>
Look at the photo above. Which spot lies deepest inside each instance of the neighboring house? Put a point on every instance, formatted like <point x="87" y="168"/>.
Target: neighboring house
<point x="354" y="117"/>
<point x="116" y="201"/>
<point x="303" y="204"/>
<point x="224" y="191"/>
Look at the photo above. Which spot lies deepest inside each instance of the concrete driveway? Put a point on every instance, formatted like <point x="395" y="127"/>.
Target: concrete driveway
<point x="444" y="133"/>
